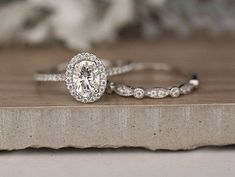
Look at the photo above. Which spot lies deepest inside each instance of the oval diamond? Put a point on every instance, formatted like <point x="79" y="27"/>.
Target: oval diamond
<point x="87" y="77"/>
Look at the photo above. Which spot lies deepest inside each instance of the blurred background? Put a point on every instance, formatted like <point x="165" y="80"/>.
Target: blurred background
<point x="82" y="24"/>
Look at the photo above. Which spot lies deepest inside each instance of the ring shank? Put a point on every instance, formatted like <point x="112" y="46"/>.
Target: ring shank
<point x="57" y="73"/>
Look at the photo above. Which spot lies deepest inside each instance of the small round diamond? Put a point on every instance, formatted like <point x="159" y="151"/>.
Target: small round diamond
<point x="102" y="89"/>
<point x="138" y="93"/>
<point x="153" y="93"/>
<point x="73" y="93"/>
<point x="85" y="100"/>
<point x="70" y="66"/>
<point x="175" y="92"/>
<point x="103" y="75"/>
<point x="69" y="86"/>
<point x="103" y="83"/>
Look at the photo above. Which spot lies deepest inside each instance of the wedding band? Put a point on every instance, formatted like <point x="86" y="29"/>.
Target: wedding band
<point x="85" y="75"/>
<point x="156" y="92"/>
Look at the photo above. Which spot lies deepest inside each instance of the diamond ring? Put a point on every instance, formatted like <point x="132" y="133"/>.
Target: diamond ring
<point x="156" y="92"/>
<point x="85" y="76"/>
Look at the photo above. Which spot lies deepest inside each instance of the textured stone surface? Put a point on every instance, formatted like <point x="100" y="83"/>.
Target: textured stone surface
<point x="152" y="127"/>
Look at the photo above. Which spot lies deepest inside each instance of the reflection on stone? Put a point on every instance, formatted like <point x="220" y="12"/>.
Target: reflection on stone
<point x="86" y="78"/>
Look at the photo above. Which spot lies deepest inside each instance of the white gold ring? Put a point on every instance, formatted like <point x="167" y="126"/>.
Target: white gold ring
<point x="85" y="76"/>
<point x="156" y="92"/>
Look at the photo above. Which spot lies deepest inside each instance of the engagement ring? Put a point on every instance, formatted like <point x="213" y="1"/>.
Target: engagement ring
<point x="85" y="75"/>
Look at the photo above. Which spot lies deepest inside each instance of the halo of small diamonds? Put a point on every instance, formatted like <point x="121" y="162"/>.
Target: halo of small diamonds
<point x="86" y="77"/>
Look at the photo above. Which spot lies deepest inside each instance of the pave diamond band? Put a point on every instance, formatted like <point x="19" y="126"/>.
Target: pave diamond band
<point x="57" y="73"/>
<point x="85" y="76"/>
<point x="155" y="92"/>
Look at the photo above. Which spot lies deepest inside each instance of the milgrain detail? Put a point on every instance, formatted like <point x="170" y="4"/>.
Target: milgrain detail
<point x="156" y="92"/>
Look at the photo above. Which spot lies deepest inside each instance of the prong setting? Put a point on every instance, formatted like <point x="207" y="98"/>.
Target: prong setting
<point x="86" y="78"/>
